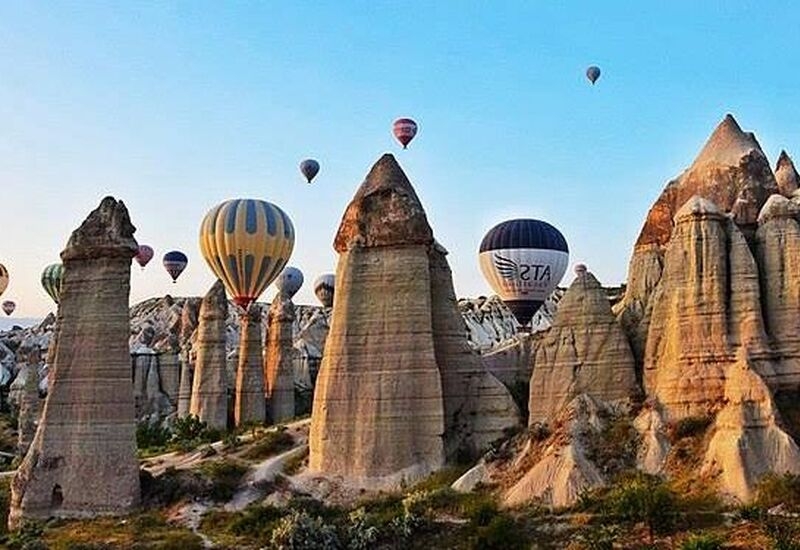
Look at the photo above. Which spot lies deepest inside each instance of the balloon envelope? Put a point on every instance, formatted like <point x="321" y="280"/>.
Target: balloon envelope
<point x="51" y="280"/>
<point x="175" y="262"/>
<point x="289" y="281"/>
<point x="523" y="261"/>
<point x="324" y="286"/>
<point x="9" y="307"/>
<point x="404" y="130"/>
<point x="3" y="278"/>
<point x="309" y="168"/>
<point x="593" y="73"/>
<point x="246" y="243"/>
<point x="144" y="255"/>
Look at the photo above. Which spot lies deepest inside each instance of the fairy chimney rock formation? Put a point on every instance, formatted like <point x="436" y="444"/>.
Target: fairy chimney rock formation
<point x="732" y="172"/>
<point x="786" y="175"/>
<point x="584" y="351"/>
<point x="250" y="405"/>
<point x="209" y="385"/>
<point x="705" y="309"/>
<point x="29" y="408"/>
<point x="378" y="416"/>
<point x="279" y="360"/>
<point x="87" y="431"/>
<point x="188" y="325"/>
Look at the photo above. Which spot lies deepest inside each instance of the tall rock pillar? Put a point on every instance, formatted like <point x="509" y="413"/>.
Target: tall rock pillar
<point x="278" y="360"/>
<point x="82" y="461"/>
<point x="378" y="414"/>
<point x="209" y="387"/>
<point x="250" y="405"/>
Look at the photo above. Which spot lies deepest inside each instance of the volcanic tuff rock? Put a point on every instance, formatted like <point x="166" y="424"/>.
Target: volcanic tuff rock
<point x="29" y="408"/>
<point x="210" y="386"/>
<point x="705" y="309"/>
<point x="87" y="430"/>
<point x="279" y="360"/>
<point x="378" y="415"/>
<point x="478" y="408"/>
<point x="250" y="405"/>
<point x="585" y="351"/>
<point x="786" y="175"/>
<point x="732" y="172"/>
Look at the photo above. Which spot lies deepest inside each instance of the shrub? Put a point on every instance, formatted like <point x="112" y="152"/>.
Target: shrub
<point x="751" y="512"/>
<point x="691" y="426"/>
<point x="643" y="498"/>
<point x="784" y="534"/>
<point x="598" y="537"/>
<point x="502" y="533"/>
<point x="224" y="477"/>
<point x="299" y="531"/>
<point x="362" y="533"/>
<point x="271" y="444"/>
<point x="190" y="432"/>
<point x="615" y="446"/>
<point x="293" y="464"/>
<point x="774" y="489"/>
<point x="151" y="435"/>
<point x="702" y="542"/>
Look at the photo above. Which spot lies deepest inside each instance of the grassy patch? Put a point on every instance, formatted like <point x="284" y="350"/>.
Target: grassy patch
<point x="270" y="444"/>
<point x="295" y="463"/>
<point x="774" y="489"/>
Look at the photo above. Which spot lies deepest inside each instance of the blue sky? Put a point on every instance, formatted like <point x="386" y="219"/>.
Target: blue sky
<point x="174" y="107"/>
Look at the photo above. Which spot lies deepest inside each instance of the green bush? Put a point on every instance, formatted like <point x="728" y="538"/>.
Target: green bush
<point x="224" y="477"/>
<point x="190" y="432"/>
<point x="702" y="542"/>
<point x="299" y="531"/>
<point x="643" y="498"/>
<point x="502" y="533"/>
<point x="598" y="537"/>
<point x="362" y="532"/>
<point x="152" y="435"/>
<point x="271" y="444"/>
<point x="784" y="534"/>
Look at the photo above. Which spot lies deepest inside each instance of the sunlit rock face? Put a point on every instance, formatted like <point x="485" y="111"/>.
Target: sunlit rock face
<point x="732" y="172"/>
<point x="250" y="405"/>
<point x="87" y="430"/>
<point x="279" y="363"/>
<point x="786" y="175"/>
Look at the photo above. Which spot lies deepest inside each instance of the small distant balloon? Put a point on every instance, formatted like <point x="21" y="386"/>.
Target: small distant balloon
<point x="144" y="255"/>
<point x="309" y="168"/>
<point x="289" y="281"/>
<point x="324" y="286"/>
<point x="51" y="280"/>
<point x="404" y="130"/>
<point x="175" y="262"/>
<point x="3" y="278"/>
<point x="9" y="307"/>
<point x="593" y="73"/>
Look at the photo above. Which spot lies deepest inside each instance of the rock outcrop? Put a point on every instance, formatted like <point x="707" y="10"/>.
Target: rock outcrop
<point x="378" y="413"/>
<point x="210" y="387"/>
<point x="705" y="309"/>
<point x="250" y="405"/>
<point x="732" y="172"/>
<point x="585" y="351"/>
<point x="279" y="360"/>
<point x="786" y="175"/>
<point x="87" y="430"/>
<point x="29" y="409"/>
<point x="478" y="408"/>
<point x="189" y="313"/>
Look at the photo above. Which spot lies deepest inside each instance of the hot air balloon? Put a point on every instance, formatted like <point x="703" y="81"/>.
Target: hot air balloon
<point x="9" y="307"/>
<point x="144" y="255"/>
<point x="246" y="243"/>
<point x="404" y="130"/>
<point x="3" y="278"/>
<point x="309" y="168"/>
<point x="289" y="281"/>
<point x="323" y="287"/>
<point x="593" y="73"/>
<point x="523" y="261"/>
<point x="175" y="262"/>
<point x="51" y="280"/>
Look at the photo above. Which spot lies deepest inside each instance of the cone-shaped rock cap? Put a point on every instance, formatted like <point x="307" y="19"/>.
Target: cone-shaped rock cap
<point x="215" y="298"/>
<point x="786" y="175"/>
<point x="698" y="207"/>
<point x="106" y="232"/>
<point x="777" y="206"/>
<point x="384" y="212"/>
<point x="727" y="145"/>
<point x="585" y="301"/>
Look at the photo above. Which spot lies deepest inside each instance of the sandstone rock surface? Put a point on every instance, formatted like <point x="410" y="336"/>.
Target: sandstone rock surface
<point x="87" y="430"/>
<point x="279" y="360"/>
<point x="786" y="175"/>
<point x="250" y="405"/>
<point x="585" y="351"/>
<point x="210" y="386"/>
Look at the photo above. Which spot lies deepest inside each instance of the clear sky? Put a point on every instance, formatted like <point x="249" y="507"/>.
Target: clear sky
<point x="174" y="107"/>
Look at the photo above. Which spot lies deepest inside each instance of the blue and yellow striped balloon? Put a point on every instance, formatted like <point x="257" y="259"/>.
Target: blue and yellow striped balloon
<point x="51" y="280"/>
<point x="246" y="242"/>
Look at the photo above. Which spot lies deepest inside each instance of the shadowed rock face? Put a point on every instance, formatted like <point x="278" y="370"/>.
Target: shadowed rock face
<point x="82" y="461"/>
<point x="584" y="352"/>
<point x="210" y="387"/>
<point x="279" y="360"/>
